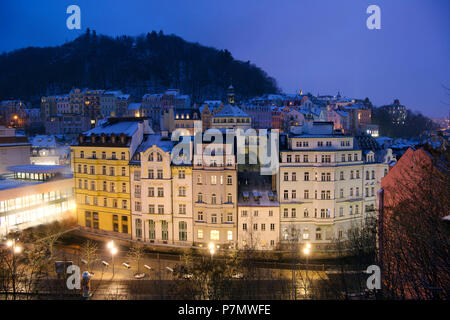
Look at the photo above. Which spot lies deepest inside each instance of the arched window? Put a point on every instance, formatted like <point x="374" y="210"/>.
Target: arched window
<point x="159" y="157"/>
<point x="150" y="157"/>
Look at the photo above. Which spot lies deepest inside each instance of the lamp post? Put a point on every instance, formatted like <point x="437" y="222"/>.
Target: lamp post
<point x="113" y="251"/>
<point x="15" y="249"/>
<point x="306" y="252"/>
<point x="212" y="250"/>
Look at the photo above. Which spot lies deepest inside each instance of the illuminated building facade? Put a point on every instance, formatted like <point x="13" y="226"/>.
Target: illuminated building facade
<point x="34" y="195"/>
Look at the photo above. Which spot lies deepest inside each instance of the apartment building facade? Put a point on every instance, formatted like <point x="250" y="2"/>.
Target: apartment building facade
<point x="325" y="185"/>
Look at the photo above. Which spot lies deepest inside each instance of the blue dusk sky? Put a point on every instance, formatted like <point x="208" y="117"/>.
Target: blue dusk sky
<point x="320" y="46"/>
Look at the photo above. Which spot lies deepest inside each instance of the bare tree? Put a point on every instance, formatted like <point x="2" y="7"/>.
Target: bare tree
<point x="89" y="252"/>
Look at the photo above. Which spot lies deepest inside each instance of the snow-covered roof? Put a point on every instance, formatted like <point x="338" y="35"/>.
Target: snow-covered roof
<point x="126" y="127"/>
<point x="44" y="141"/>
<point x="230" y="111"/>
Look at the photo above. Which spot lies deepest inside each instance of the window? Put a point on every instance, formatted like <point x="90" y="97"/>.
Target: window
<point x="293" y="194"/>
<point x="244" y="226"/>
<point x="272" y="227"/>
<point x="151" y="191"/>
<point x="181" y="174"/>
<point x="213" y="199"/>
<point x="306" y="176"/>
<point x="349" y="157"/>
<point x="151" y="230"/>
<point x="288" y="158"/>
<point x="113" y="156"/>
<point x="306" y="194"/>
<point x="229" y="198"/>
<point x="318" y="234"/>
<point x="160" y="192"/>
<point x="82" y="154"/>
<point x="164" y="230"/>
<point x="293" y="213"/>
<point x="124" y="204"/>
<point x="123" y="171"/>
<point x="286" y="212"/>
<point x="200" y="216"/>
<point x="93" y="185"/>
<point x="373" y="174"/>
<point x="357" y="174"/>
<point x="122" y="156"/>
<point x="343" y="157"/>
<point x="182" y="226"/>
<point x="159" y="174"/>
<point x="214" y="218"/>
<point x="112" y="187"/>
<point x="150" y="174"/>
<point x="151" y="208"/>
<point x="341" y="211"/>
<point x="137" y="175"/>
<point x="286" y="176"/>
<point x="270" y="213"/>
<point x="351" y="175"/>
<point x="229" y="217"/>
<point x="103" y="155"/>
<point x="286" y="194"/>
<point x="215" y="235"/>
<point x="229" y="180"/>
<point x="104" y="170"/>
<point x="182" y="192"/>
<point x="255" y="227"/>
<point x="213" y="179"/>
<point x="229" y="235"/>
<point x="160" y="209"/>
<point x="116" y="223"/>
<point x="85" y="169"/>
<point x="92" y="170"/>
<point x="182" y="209"/>
<point x="114" y="203"/>
<point x="138" y="223"/>
<point x="111" y="171"/>
<point x="105" y="202"/>
<point x="124" y="224"/>
<point x="305" y="158"/>
<point x="320" y="143"/>
<point x="87" y="215"/>
<point x="243" y="213"/>
<point x="124" y="187"/>
<point x="200" y="233"/>
<point x="137" y="206"/>
<point x="158" y="157"/>
<point x="297" y="158"/>
<point x="294" y="176"/>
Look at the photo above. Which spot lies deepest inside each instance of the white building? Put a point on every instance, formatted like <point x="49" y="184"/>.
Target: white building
<point x="258" y="213"/>
<point x="326" y="185"/>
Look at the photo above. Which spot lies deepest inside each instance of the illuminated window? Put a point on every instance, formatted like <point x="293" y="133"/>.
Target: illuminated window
<point x="215" y="235"/>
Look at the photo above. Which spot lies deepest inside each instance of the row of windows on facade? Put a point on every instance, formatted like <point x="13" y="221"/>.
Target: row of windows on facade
<point x="325" y="158"/>
<point x="182" y="175"/>
<point x="34" y="199"/>
<point x="326" y="176"/>
<point x="112" y="170"/>
<point x="300" y="144"/>
<point x="213" y="217"/>
<point x="113" y="155"/>
<point x="182" y="231"/>
<point x="326" y="194"/>
<point x="255" y="227"/>
<point x="324" y="213"/>
<point x="92" y="221"/>
<point x="112" y="186"/>
<point x="305" y="234"/>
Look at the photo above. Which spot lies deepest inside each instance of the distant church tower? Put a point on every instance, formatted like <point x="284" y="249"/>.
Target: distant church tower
<point x="231" y="94"/>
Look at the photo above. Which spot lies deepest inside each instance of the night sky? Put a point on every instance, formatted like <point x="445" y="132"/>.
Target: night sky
<point x="320" y="46"/>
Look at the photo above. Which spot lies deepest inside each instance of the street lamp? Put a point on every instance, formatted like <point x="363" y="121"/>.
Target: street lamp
<point x="212" y="249"/>
<point x="113" y="251"/>
<point x="306" y="252"/>
<point x="15" y="249"/>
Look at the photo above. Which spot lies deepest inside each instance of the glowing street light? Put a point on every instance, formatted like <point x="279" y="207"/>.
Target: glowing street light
<point x="15" y="249"/>
<point x="212" y="249"/>
<point x="113" y="251"/>
<point x="306" y="252"/>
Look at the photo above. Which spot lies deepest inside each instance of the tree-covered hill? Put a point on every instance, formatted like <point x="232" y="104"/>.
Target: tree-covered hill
<point x="144" y="64"/>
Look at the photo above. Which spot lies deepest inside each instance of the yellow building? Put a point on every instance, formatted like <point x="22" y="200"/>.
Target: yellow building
<point x="100" y="162"/>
